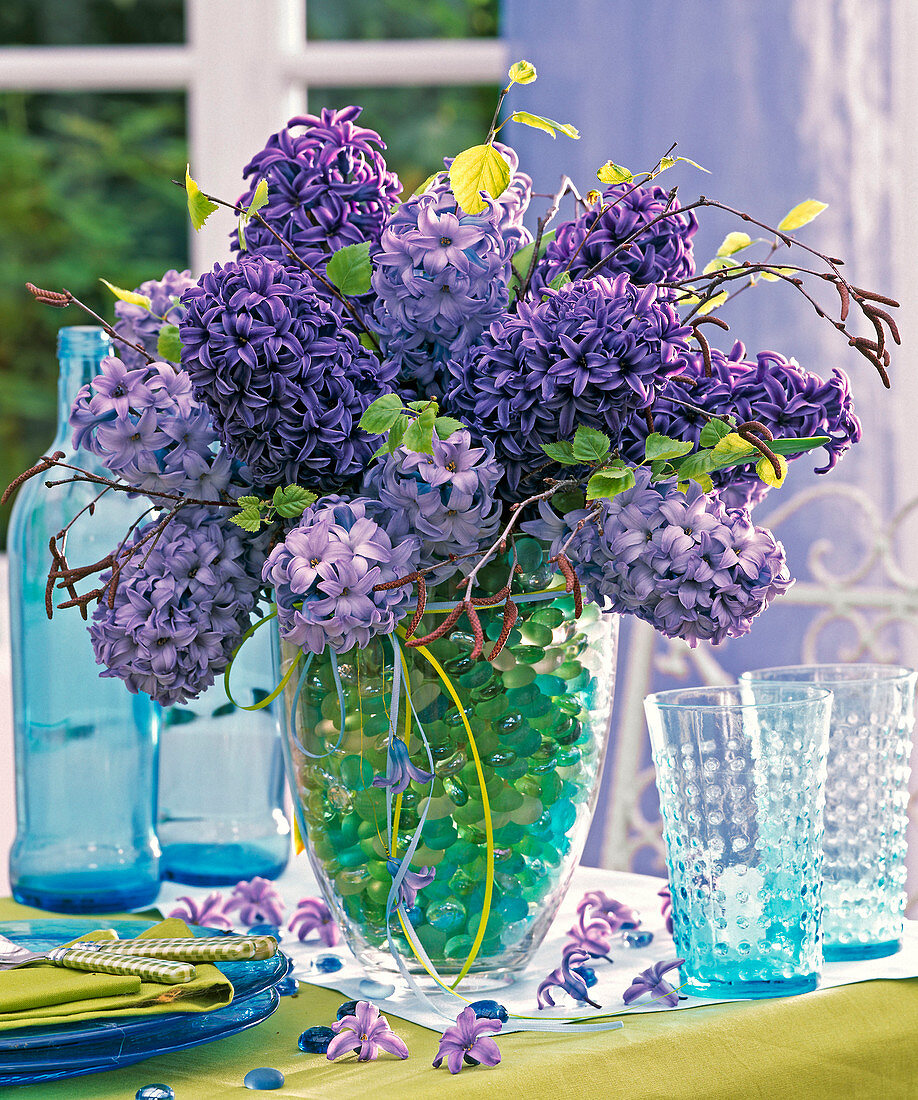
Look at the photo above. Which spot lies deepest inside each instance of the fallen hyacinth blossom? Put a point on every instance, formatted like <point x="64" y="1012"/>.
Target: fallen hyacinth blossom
<point x="257" y="901"/>
<point x="209" y="912"/>
<point x="369" y="1030"/>
<point x="313" y="915"/>
<point x="468" y="1042"/>
<point x="652" y="981"/>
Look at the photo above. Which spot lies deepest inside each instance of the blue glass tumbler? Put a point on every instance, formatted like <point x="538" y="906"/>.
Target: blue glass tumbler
<point x="741" y="776"/>
<point x="870" y="742"/>
<point x="85" y="747"/>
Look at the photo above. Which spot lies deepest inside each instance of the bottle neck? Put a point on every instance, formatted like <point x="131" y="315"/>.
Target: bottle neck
<point x="80" y="350"/>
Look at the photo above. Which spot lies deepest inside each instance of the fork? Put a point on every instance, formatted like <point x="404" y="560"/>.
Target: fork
<point x="98" y="960"/>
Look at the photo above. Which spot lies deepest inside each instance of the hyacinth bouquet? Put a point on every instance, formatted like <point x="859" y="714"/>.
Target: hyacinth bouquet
<point x="444" y="450"/>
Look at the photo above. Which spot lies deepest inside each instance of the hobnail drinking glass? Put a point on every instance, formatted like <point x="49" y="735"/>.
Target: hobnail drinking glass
<point x="870" y="742"/>
<point x="741" y="775"/>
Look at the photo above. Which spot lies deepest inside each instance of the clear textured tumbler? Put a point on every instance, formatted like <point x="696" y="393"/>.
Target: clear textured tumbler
<point x="741" y="774"/>
<point x="866" y="802"/>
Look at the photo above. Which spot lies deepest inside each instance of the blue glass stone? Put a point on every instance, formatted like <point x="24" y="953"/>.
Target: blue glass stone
<point x="263" y="1079"/>
<point x="327" y="964"/>
<point x="347" y="1009"/>
<point x="315" y="1040"/>
<point x="489" y="1010"/>
<point x="637" y="939"/>
<point x="375" y="990"/>
<point x="286" y="987"/>
<point x="587" y="973"/>
<point x="155" y="1092"/>
<point x="266" y="930"/>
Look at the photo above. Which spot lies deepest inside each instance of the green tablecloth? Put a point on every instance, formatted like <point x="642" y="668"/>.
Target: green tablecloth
<point x="849" y="1042"/>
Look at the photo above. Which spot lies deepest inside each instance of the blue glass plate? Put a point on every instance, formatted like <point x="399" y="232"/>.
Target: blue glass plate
<point x="117" y="1049"/>
<point x="249" y="978"/>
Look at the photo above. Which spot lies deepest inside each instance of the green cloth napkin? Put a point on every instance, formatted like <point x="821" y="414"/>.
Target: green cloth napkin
<point x="43" y="994"/>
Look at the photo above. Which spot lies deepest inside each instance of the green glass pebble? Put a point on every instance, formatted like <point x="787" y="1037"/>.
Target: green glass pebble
<point x="492" y="708"/>
<point x="522" y="695"/>
<point x="527" y="654"/>
<point x="518" y="676"/>
<point x="353" y="880"/>
<point x="451" y="765"/>
<point x="493" y="689"/>
<point x="478" y="675"/>
<point x="439" y="889"/>
<point x="331" y="708"/>
<point x="501" y="758"/>
<point x="530" y="810"/>
<point x="570" y="758"/>
<point x="568" y="670"/>
<point x="547" y="616"/>
<point x="550" y="685"/>
<point x="528" y="742"/>
<point x="356" y="773"/>
<point x="536" y="634"/>
<point x="377" y="869"/>
<point x="448" y="915"/>
<point x="529" y="554"/>
<point x="458" y="947"/>
<point x="456" y="791"/>
<point x="462" y="640"/>
<point x="509" y="723"/>
<point x="464" y="852"/>
<point x="513" y="908"/>
<point x="472" y="813"/>
<point x="456" y="666"/>
<point x="433" y="939"/>
<point x="453" y="717"/>
<point x="378" y="892"/>
<point x="506" y="800"/>
<point x="493" y="630"/>
<point x="509" y="834"/>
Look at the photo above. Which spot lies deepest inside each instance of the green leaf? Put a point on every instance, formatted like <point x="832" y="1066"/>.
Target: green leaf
<point x="719" y="263"/>
<point x="694" y="164"/>
<point x="349" y="268"/>
<point x="382" y="414"/>
<point x="200" y="207"/>
<point x="734" y="242"/>
<point x="590" y="445"/>
<point x="128" y="295"/>
<point x="661" y="471"/>
<point x="397" y="433"/>
<point x="169" y="344"/>
<point x="695" y="465"/>
<point x="522" y="72"/>
<point x="419" y="433"/>
<point x="766" y="471"/>
<point x="606" y="484"/>
<point x="240" y="229"/>
<point x="731" y="446"/>
<point x="423" y="187"/>
<point x="481" y="168"/>
<point x="789" y="445"/>
<point x="713" y="303"/>
<point x="658" y="446"/>
<point x="366" y="341"/>
<point x="713" y="432"/>
<point x="548" y="125"/>
<point x="666" y="163"/>
<point x="561" y="452"/>
<point x="248" y="503"/>
<point x="290" y="501"/>
<point x="444" y="426"/>
<point x="802" y="214"/>
<point x="259" y="199"/>
<point x="560" y="280"/>
<point x="773" y="274"/>
<point x="704" y="480"/>
<point x="611" y="172"/>
<point x="523" y="258"/>
<point x="248" y="520"/>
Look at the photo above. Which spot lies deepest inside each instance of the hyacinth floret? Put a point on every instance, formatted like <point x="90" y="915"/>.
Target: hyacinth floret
<point x="147" y="428"/>
<point x="441" y="277"/>
<point x="593" y="352"/>
<point x="325" y="571"/>
<point x="681" y="561"/>
<point x="778" y="392"/>
<point x="663" y="253"/>
<point x="447" y="499"/>
<point x="328" y="186"/>
<point x="180" y="608"/>
<point x="141" y="325"/>
<point x="286" y="382"/>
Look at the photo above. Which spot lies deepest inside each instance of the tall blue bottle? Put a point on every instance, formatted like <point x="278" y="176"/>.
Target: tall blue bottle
<point x="85" y="747"/>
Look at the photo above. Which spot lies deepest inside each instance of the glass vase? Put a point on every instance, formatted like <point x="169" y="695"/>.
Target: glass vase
<point x="85" y="748"/>
<point x="538" y="718"/>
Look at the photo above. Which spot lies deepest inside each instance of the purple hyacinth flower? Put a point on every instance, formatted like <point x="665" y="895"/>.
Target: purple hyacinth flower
<point x="257" y="901"/>
<point x="412" y="882"/>
<point x="313" y="915"/>
<point x="209" y="912"/>
<point x="400" y="770"/>
<point x="594" y="937"/>
<point x="468" y="1041"/>
<point x="615" y="913"/>
<point x="666" y="907"/>
<point x="651" y="981"/>
<point x="369" y="1030"/>
<point x="566" y="977"/>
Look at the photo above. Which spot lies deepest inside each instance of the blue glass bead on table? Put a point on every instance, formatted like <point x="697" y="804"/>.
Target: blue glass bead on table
<point x="741" y="776"/>
<point x="867" y="794"/>
<point x="85" y="747"/>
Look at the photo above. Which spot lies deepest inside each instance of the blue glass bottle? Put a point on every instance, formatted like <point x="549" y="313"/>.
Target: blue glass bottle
<point x="221" y="780"/>
<point x="85" y="747"/>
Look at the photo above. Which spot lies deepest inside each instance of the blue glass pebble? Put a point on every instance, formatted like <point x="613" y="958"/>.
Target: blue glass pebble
<point x="489" y="1010"/>
<point x="315" y="1040"/>
<point x="286" y="987"/>
<point x="587" y="973"/>
<point x="155" y="1092"/>
<point x="327" y="964"/>
<point x="347" y="1009"/>
<point x="375" y="991"/>
<point x="265" y="930"/>
<point x="638" y="939"/>
<point x="263" y="1079"/>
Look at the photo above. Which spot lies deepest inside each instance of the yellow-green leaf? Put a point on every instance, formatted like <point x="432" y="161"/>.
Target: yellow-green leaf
<point x="419" y="190"/>
<point x="611" y="172"/>
<point x="200" y="207"/>
<point x="802" y="214"/>
<point x="732" y="446"/>
<point x="539" y="122"/>
<point x="770" y="277"/>
<point x="481" y="168"/>
<point x="766" y="471"/>
<point x="260" y="198"/>
<point x="719" y="263"/>
<point x="713" y="303"/>
<point x="131" y="296"/>
<point x="593" y="197"/>
<point x="522" y="72"/>
<point x="734" y="242"/>
<point x="666" y="162"/>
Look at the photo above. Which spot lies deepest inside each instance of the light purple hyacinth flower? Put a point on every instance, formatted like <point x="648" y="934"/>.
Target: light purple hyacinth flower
<point x="209" y="912"/>
<point x="369" y="1030"/>
<point x="615" y="913"/>
<point x="666" y="907"/>
<point x="412" y="882"/>
<point x="313" y="915"/>
<point x="568" y="978"/>
<point x="652" y="981"/>
<point x="469" y="1042"/>
<point x="594" y="937"/>
<point x="257" y="901"/>
<point x="400" y="770"/>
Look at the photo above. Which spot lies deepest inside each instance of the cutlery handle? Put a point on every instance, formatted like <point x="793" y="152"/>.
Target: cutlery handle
<point x="204" y="949"/>
<point x="104" y="962"/>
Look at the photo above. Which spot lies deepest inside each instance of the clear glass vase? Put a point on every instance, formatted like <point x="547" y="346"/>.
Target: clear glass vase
<point x="539" y="718"/>
<point x="85" y="747"/>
